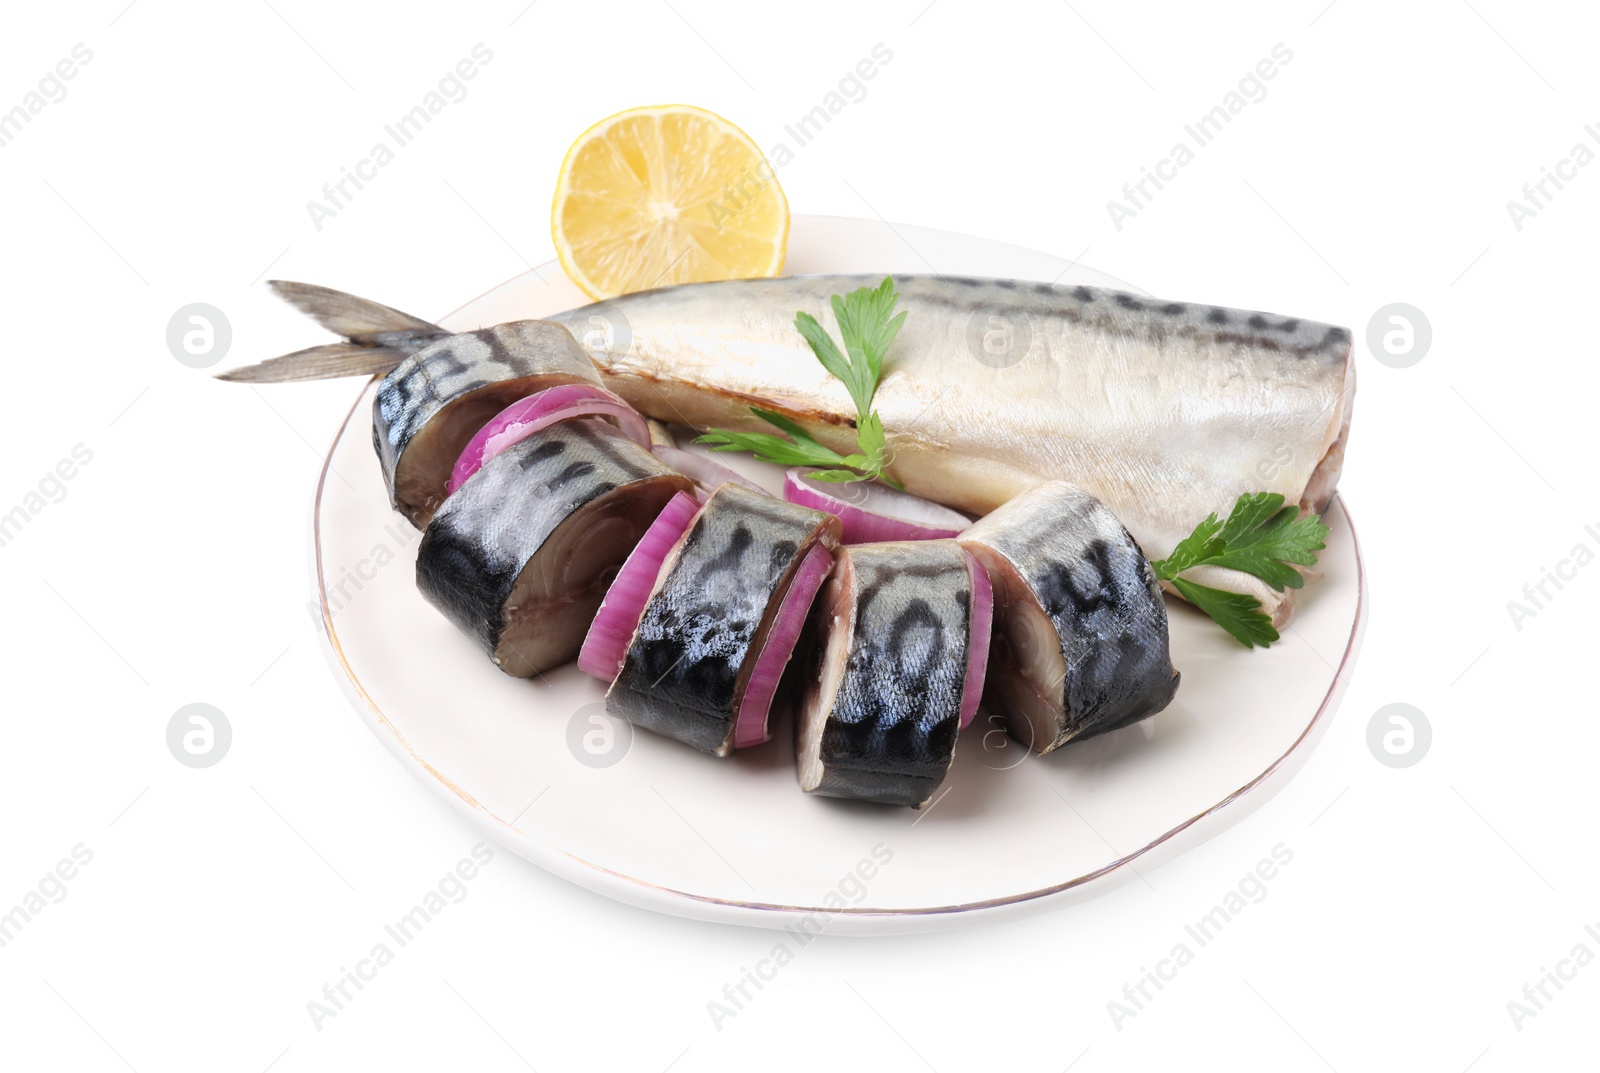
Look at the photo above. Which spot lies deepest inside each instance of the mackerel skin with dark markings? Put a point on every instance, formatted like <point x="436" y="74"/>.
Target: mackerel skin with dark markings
<point x="1081" y="643"/>
<point x="686" y="668"/>
<point x="437" y="399"/>
<point x="520" y="556"/>
<point x="883" y="703"/>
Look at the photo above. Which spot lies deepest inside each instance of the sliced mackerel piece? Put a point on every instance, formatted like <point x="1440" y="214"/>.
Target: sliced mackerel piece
<point x="882" y="702"/>
<point x="521" y="555"/>
<point x="436" y="400"/>
<point x="1080" y="643"/>
<point x="705" y="624"/>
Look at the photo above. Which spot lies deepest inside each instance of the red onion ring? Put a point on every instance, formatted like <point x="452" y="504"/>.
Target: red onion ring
<point x="539" y="411"/>
<point x="977" y="638"/>
<point x="606" y="644"/>
<point x="708" y="473"/>
<point x="784" y="633"/>
<point x="873" y="512"/>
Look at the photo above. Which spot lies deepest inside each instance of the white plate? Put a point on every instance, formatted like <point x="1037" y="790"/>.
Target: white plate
<point x="652" y="822"/>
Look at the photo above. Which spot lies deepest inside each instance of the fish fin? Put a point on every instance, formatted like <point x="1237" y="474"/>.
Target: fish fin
<point x="357" y="319"/>
<point x="327" y="362"/>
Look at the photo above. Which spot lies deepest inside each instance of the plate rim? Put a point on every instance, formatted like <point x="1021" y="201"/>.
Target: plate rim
<point x="553" y="858"/>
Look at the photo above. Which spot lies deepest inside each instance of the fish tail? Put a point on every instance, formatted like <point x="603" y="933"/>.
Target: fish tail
<point x="327" y="362"/>
<point x="377" y="338"/>
<point x="357" y="319"/>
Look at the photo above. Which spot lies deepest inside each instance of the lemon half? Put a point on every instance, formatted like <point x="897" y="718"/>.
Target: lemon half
<point x="666" y="194"/>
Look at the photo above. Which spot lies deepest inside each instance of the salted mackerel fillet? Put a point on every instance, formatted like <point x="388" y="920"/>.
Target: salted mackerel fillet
<point x="690" y="660"/>
<point x="520" y="556"/>
<point x="1080" y="645"/>
<point x="1164" y="411"/>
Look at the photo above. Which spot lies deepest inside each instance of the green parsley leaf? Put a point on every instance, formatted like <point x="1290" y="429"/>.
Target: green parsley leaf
<point x="870" y="438"/>
<point x="802" y="450"/>
<point x="1194" y="549"/>
<point x="1266" y="536"/>
<point x="766" y="447"/>
<point x="827" y="352"/>
<point x="872" y="442"/>
<point x="868" y="327"/>
<point x="1239" y="614"/>
<point x="1261" y="537"/>
<point x="782" y="421"/>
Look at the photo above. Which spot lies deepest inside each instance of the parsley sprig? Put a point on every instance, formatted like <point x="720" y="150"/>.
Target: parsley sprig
<point x="867" y="324"/>
<point x="1261" y="537"/>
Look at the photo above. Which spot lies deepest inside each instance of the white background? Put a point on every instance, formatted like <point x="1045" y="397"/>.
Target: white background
<point x="1376" y="170"/>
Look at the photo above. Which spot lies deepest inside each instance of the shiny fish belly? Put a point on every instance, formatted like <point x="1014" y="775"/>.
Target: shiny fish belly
<point x="1081" y="643"/>
<point x="686" y="668"/>
<point x="1165" y="411"/>
<point x="519" y="557"/>
<point x="433" y="402"/>
<point x="888" y="668"/>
